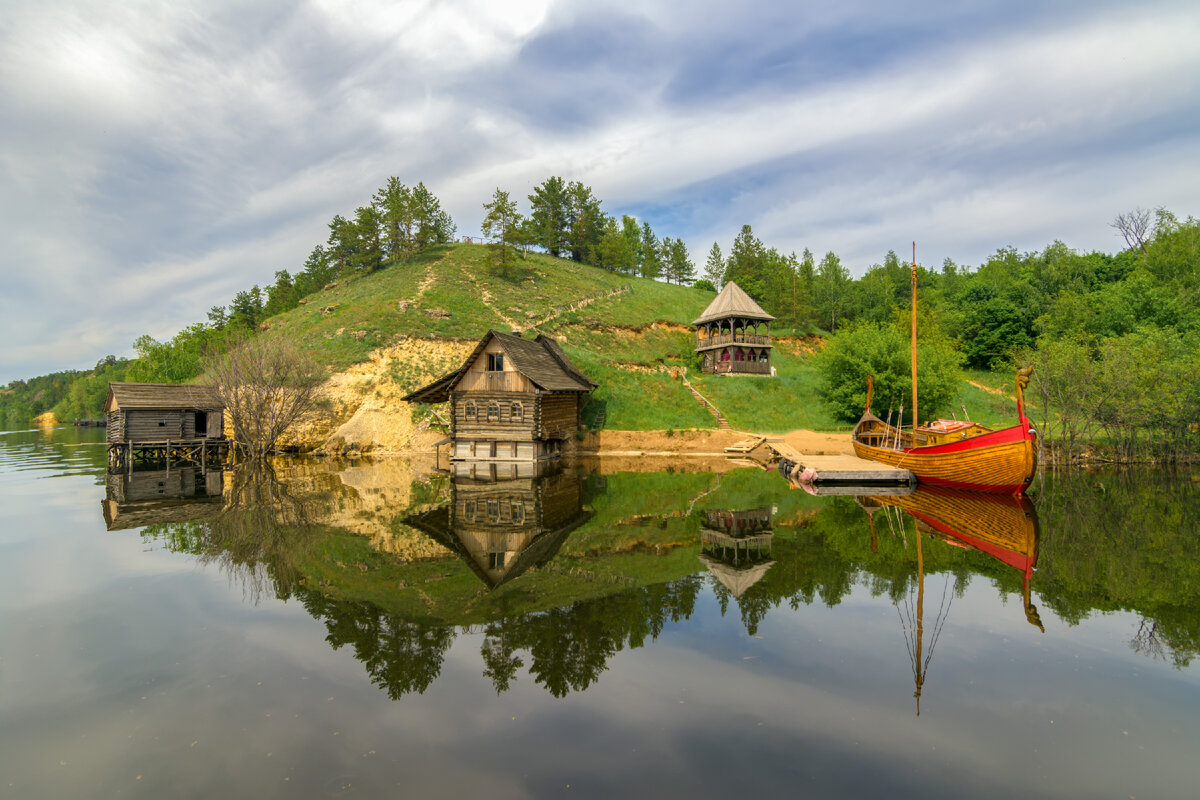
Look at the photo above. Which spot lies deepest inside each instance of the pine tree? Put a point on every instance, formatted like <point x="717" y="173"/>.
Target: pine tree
<point x="651" y="261"/>
<point x="548" y="215"/>
<point x="503" y="223"/>
<point x="714" y="267"/>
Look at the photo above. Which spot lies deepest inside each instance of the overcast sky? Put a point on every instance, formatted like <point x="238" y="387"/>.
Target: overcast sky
<point x="158" y="157"/>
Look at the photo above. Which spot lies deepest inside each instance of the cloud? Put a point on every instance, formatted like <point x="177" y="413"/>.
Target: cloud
<point x="157" y="158"/>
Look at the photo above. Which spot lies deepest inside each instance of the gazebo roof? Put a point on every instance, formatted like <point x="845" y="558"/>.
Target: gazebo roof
<point x="732" y="302"/>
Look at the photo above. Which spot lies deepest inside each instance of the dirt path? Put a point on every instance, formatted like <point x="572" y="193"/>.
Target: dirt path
<point x="990" y="390"/>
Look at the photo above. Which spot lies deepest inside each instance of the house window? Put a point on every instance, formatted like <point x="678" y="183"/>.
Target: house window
<point x="518" y="512"/>
<point x="493" y="510"/>
<point x="471" y="412"/>
<point x="469" y="510"/>
<point x="496" y="560"/>
<point x="495" y="362"/>
<point x="493" y="413"/>
<point x="518" y="411"/>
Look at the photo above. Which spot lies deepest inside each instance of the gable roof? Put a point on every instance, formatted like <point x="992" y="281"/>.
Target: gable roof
<point x="169" y="396"/>
<point x="540" y="360"/>
<point x="732" y="302"/>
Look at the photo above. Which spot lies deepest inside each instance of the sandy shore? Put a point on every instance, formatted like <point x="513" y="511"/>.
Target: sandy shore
<point x="701" y="443"/>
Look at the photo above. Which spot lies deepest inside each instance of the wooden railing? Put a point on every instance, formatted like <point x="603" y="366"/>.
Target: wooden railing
<point x="726" y="338"/>
<point x="751" y="367"/>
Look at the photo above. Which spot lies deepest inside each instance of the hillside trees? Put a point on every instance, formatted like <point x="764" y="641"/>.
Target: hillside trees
<point x="832" y="288"/>
<point x="503" y="223"/>
<point x="548" y="215"/>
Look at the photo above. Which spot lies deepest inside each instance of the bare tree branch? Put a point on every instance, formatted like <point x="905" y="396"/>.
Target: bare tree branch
<point x="1134" y="227"/>
<point x="267" y="385"/>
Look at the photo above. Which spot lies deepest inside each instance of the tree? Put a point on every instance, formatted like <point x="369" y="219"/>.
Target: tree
<point x="548" y="215"/>
<point x="267" y="385"/>
<point x="746" y="264"/>
<point x="714" y="267"/>
<point x="585" y="222"/>
<point x="650" y="265"/>
<point x="832" y="288"/>
<point x="1134" y="227"/>
<point x="868" y="348"/>
<point x="368" y="249"/>
<point x="246" y="310"/>
<point x="503" y="223"/>
<point x="679" y="266"/>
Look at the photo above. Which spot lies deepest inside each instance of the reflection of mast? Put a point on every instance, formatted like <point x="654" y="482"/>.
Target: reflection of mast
<point x="917" y="654"/>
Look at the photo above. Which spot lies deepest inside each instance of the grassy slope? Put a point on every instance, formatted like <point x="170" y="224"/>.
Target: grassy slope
<point x="624" y="342"/>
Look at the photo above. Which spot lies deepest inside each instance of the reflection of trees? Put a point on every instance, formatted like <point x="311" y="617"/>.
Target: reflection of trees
<point x="569" y="648"/>
<point x="1125" y="542"/>
<point x="400" y="656"/>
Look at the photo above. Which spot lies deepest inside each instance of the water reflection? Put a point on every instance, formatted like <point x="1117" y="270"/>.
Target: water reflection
<point x="150" y="496"/>
<point x="502" y="526"/>
<point x="1005" y="528"/>
<point x="558" y="571"/>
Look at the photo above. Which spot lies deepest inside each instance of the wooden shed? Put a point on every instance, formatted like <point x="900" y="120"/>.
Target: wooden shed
<point x="513" y="399"/>
<point x="158" y="420"/>
<point x="733" y="335"/>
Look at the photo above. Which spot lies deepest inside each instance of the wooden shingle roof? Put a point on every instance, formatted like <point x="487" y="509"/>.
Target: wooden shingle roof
<point x="540" y="360"/>
<point x="732" y="302"/>
<point x="166" y="396"/>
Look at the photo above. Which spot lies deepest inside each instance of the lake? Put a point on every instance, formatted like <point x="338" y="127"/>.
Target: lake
<point x="340" y="629"/>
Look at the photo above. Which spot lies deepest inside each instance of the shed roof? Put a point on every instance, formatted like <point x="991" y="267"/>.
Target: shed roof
<point x="540" y="360"/>
<point x="168" y="396"/>
<point x="732" y="302"/>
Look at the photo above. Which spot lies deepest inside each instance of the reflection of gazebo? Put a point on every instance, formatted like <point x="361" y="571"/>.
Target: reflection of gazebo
<point x="501" y="528"/>
<point x="733" y="335"/>
<point x="149" y="497"/>
<point x="732" y="544"/>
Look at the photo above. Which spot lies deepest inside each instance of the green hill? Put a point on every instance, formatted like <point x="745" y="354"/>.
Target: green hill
<point x="629" y="334"/>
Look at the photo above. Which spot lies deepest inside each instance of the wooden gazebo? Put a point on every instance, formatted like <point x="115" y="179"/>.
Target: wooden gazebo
<point x="733" y="335"/>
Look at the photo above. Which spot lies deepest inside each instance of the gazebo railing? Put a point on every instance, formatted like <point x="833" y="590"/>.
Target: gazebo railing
<point x="726" y="338"/>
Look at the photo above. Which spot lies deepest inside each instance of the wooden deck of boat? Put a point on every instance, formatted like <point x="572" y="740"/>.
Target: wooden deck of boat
<point x="830" y="469"/>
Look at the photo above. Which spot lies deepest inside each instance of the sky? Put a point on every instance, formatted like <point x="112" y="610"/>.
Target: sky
<point x="158" y="157"/>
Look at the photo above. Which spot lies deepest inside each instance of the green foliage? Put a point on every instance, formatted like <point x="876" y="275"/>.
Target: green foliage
<point x="704" y="285"/>
<point x="503" y="224"/>
<point x="884" y="351"/>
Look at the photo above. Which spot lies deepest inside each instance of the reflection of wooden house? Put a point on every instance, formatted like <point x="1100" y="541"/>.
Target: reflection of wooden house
<point x="502" y="528"/>
<point x="732" y="546"/>
<point x="148" y="497"/>
<point x="512" y="399"/>
<point x="733" y="335"/>
<point x="156" y="420"/>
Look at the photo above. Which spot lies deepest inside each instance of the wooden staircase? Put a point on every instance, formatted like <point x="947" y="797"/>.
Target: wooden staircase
<point x="722" y="423"/>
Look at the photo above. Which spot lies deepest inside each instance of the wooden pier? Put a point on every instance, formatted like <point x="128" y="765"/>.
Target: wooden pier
<point x="840" y="469"/>
<point x="202" y="452"/>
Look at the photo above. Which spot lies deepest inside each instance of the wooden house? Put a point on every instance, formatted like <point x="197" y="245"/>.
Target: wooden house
<point x="501" y="528"/>
<point x="156" y="420"/>
<point x="513" y="399"/>
<point x="733" y="335"/>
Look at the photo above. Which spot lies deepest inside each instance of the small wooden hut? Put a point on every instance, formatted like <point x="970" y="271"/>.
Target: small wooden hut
<point x="151" y="421"/>
<point x="513" y="399"/>
<point x="150" y="497"/>
<point x="733" y="335"/>
<point x="732" y="544"/>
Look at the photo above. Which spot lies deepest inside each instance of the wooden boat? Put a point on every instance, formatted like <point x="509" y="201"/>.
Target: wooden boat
<point x="960" y="454"/>
<point x="950" y="452"/>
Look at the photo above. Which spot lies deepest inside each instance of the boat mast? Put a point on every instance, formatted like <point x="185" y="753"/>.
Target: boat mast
<point x="914" y="343"/>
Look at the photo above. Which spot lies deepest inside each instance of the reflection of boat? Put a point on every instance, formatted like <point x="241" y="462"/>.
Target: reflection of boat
<point x="1005" y="528"/>
<point x="950" y="452"/>
<point x="149" y="497"/>
<point x="732" y="544"/>
<point x="501" y="528"/>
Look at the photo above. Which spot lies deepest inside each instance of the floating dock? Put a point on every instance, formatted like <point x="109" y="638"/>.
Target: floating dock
<point x="838" y="469"/>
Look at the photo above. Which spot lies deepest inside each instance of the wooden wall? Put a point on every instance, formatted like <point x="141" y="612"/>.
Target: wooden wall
<point x="506" y="428"/>
<point x="147" y="425"/>
<point x="558" y="416"/>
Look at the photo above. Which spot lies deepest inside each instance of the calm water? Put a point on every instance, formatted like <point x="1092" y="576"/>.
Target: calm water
<point x="383" y="630"/>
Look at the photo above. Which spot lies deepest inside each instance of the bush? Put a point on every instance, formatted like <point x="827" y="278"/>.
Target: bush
<point x="884" y="351"/>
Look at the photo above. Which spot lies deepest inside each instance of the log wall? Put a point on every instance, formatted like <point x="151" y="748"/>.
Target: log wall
<point x="558" y="416"/>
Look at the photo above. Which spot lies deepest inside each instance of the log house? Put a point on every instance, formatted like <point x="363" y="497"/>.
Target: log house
<point x="151" y="421"/>
<point x="513" y="399"/>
